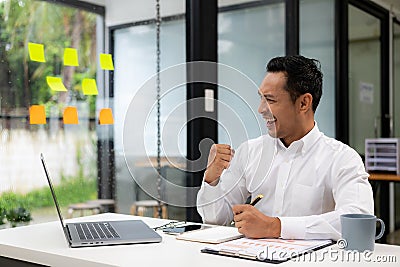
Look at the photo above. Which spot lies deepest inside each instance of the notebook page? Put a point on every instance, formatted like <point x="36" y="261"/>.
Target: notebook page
<point x="212" y="235"/>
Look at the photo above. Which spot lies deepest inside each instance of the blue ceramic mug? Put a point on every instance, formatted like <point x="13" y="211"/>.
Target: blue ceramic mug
<point x="359" y="231"/>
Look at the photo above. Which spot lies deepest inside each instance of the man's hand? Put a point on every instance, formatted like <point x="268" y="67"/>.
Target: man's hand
<point x="219" y="159"/>
<point x="254" y="224"/>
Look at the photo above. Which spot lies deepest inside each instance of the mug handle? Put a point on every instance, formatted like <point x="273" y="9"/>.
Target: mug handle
<point x="382" y="229"/>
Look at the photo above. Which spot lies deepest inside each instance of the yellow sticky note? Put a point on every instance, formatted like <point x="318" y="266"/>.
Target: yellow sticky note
<point x="70" y="115"/>
<point x="106" y="116"/>
<point x="36" y="52"/>
<point x="37" y="114"/>
<point x="89" y="87"/>
<point x="106" y="62"/>
<point x="56" y="84"/>
<point x="71" y="57"/>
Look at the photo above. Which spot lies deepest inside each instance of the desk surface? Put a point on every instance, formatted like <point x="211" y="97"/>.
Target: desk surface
<point x="45" y="244"/>
<point x="384" y="177"/>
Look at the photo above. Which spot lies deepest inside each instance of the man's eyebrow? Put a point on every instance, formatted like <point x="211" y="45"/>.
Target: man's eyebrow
<point x="266" y="95"/>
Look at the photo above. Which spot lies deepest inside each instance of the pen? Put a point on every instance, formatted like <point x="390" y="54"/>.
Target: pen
<point x="253" y="202"/>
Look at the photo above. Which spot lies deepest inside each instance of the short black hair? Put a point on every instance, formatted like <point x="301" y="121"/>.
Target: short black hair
<point x="303" y="76"/>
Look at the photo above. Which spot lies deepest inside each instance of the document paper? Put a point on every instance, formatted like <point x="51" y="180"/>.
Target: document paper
<point x="266" y="249"/>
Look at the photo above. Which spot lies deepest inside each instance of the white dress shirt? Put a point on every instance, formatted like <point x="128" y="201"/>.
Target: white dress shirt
<point x="307" y="185"/>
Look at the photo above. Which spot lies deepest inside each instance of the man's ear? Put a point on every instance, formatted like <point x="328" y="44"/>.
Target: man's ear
<point x="305" y="102"/>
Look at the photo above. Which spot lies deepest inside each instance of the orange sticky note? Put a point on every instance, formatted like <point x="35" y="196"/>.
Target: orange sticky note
<point x="37" y="114"/>
<point x="70" y="115"/>
<point x="36" y="52"/>
<point x="71" y="57"/>
<point x="106" y="116"/>
<point x="56" y="84"/>
<point x="89" y="87"/>
<point x="106" y="62"/>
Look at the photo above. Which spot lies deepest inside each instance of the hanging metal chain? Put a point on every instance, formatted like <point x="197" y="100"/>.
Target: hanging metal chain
<point x="158" y="87"/>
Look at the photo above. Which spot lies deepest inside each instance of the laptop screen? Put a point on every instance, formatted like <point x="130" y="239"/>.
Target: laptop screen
<point x="53" y="194"/>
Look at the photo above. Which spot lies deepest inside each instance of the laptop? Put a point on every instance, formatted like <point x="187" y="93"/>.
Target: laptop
<point x="90" y="234"/>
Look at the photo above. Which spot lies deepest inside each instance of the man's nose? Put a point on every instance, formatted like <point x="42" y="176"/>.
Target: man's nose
<point x="263" y="108"/>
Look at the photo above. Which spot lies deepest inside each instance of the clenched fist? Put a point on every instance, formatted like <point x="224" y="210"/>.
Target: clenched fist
<point x="219" y="159"/>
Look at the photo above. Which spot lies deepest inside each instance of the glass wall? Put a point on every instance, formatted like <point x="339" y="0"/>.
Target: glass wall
<point x="247" y="39"/>
<point x="33" y="38"/>
<point x="240" y="48"/>
<point x="364" y="78"/>
<point x="317" y="40"/>
<point x="396" y="105"/>
<point x="396" y="77"/>
<point x="135" y="94"/>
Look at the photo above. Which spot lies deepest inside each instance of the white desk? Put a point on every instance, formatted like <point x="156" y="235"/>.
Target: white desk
<point x="45" y="244"/>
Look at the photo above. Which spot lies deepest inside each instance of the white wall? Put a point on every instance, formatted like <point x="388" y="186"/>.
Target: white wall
<point x="20" y="169"/>
<point x="127" y="11"/>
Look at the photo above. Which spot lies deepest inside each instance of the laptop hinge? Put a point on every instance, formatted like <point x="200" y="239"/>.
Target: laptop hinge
<point x="68" y="235"/>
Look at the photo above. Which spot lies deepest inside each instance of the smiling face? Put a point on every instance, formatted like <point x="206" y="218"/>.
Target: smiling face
<point x="285" y="118"/>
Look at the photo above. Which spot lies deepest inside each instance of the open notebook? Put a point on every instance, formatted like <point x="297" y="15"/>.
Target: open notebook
<point x="212" y="235"/>
<point x="267" y="250"/>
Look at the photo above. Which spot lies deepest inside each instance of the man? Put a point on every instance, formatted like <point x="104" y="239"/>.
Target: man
<point x="308" y="179"/>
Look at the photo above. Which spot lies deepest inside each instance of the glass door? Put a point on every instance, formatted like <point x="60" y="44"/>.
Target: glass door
<point x="396" y="108"/>
<point x="364" y="78"/>
<point x="261" y="30"/>
<point x="396" y="79"/>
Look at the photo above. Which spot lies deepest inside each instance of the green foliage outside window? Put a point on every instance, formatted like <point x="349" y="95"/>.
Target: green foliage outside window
<point x="18" y="215"/>
<point x="3" y="213"/>
<point x="23" y="82"/>
<point x="70" y="190"/>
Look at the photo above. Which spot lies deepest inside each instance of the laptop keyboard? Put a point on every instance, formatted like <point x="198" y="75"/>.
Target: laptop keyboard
<point x="93" y="231"/>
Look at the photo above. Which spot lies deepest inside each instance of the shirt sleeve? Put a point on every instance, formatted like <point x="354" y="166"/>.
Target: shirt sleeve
<point x="352" y="194"/>
<point x="214" y="203"/>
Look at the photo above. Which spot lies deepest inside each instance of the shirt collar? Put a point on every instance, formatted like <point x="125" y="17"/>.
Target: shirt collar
<point x="304" y="144"/>
<point x="310" y="138"/>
